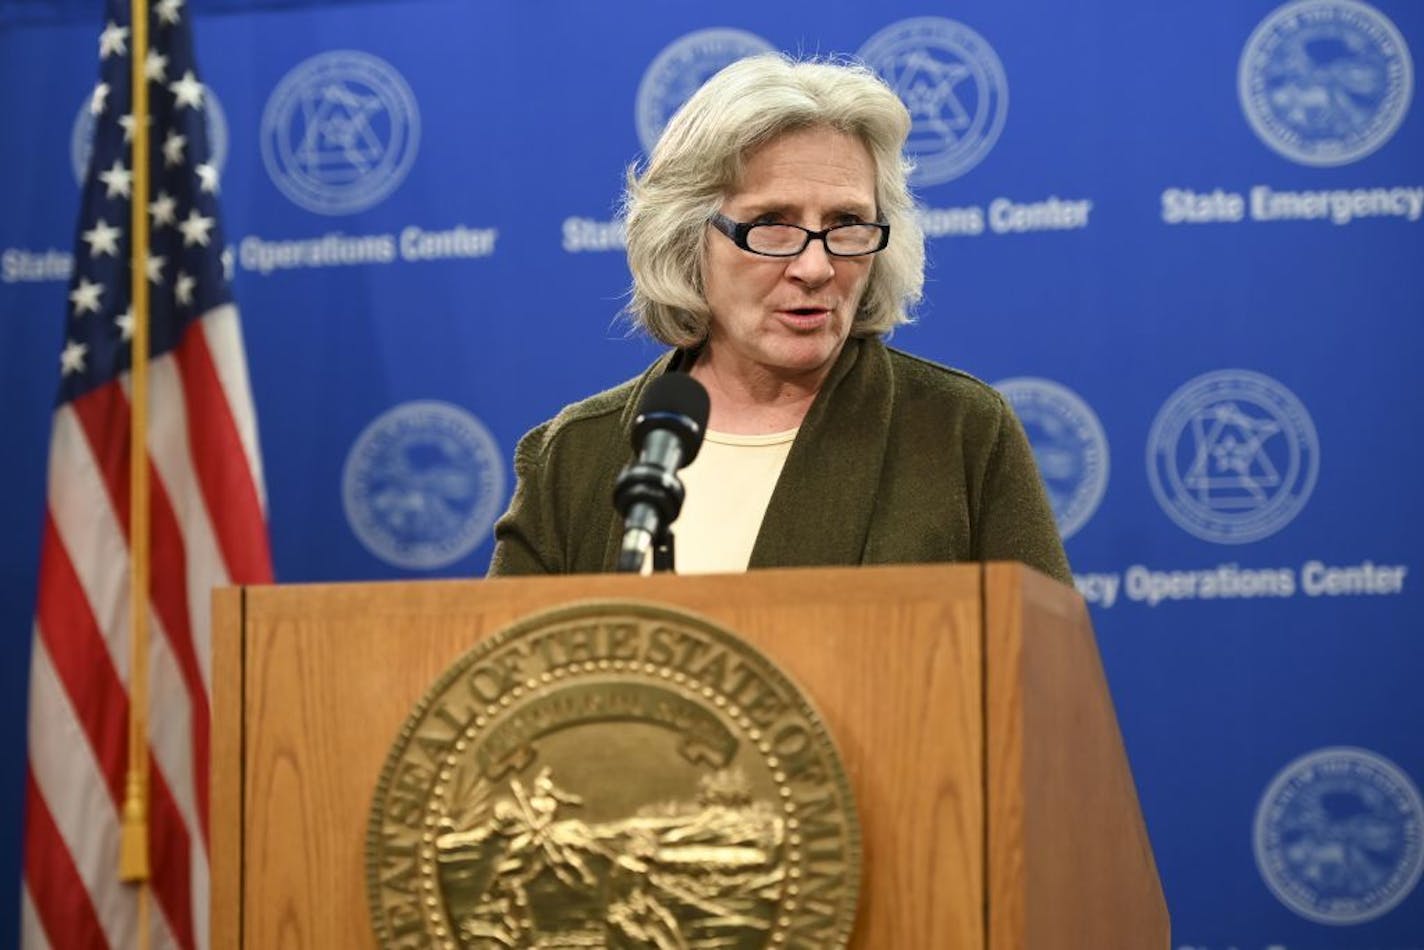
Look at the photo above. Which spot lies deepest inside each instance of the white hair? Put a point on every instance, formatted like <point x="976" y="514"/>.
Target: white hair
<point x="698" y="161"/>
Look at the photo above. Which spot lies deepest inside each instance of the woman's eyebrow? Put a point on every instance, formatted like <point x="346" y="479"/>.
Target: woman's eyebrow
<point x="783" y="209"/>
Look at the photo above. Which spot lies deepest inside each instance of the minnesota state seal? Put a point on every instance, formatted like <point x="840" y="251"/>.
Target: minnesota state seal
<point x="613" y="775"/>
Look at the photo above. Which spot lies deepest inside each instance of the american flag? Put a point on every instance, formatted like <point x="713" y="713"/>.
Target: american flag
<point x="207" y="519"/>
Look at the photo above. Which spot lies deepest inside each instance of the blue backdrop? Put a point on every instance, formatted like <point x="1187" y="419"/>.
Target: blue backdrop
<point x="1185" y="239"/>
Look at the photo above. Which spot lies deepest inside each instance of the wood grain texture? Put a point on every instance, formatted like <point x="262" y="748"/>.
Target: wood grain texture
<point x="1005" y="847"/>
<point x="890" y="656"/>
<point x="225" y="783"/>
<point x="1070" y="865"/>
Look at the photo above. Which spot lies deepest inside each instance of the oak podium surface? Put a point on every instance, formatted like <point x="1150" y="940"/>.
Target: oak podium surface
<point x="996" y="806"/>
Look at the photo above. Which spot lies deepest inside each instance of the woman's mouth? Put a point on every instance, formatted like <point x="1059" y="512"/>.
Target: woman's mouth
<point x="804" y="317"/>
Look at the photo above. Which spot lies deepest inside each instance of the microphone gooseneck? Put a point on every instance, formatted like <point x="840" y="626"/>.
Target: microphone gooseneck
<point x="667" y="434"/>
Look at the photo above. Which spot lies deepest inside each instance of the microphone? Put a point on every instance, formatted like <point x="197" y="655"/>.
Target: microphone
<point x="672" y="418"/>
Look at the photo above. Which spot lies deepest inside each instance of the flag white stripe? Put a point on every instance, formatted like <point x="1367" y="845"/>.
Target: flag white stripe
<point x="91" y="533"/>
<point x="162" y="935"/>
<point x="223" y="331"/>
<point x="73" y="787"/>
<point x="202" y="895"/>
<point x="32" y="935"/>
<point x="170" y="729"/>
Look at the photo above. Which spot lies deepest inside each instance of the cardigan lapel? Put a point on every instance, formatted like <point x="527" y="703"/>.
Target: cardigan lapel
<point x="821" y="508"/>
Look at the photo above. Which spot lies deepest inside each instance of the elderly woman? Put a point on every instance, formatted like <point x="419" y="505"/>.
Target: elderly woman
<point x="773" y="244"/>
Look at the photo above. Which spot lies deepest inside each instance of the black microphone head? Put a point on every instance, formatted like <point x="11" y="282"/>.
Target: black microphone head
<point x="674" y="402"/>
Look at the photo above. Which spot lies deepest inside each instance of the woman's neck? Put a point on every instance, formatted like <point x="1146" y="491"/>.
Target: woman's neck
<point x="756" y="401"/>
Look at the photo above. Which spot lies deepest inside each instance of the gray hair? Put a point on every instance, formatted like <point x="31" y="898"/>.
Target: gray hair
<point x="698" y="162"/>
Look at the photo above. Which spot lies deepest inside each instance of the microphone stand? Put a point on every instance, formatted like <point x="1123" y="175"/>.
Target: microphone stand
<point x="663" y="552"/>
<point x="663" y="491"/>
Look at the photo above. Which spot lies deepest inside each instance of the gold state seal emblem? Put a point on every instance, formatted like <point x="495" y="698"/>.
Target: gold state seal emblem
<point x="613" y="775"/>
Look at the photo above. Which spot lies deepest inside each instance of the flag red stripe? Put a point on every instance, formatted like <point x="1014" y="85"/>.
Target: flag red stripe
<point x="104" y="418"/>
<point x="81" y="660"/>
<point x="221" y="464"/>
<point x="57" y="891"/>
<point x="168" y="578"/>
<point x="170" y="857"/>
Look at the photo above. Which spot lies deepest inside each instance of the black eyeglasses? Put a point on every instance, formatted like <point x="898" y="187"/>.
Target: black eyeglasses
<point x="788" y="240"/>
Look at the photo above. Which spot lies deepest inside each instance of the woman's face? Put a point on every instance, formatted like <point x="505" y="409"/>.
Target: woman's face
<point x="788" y="317"/>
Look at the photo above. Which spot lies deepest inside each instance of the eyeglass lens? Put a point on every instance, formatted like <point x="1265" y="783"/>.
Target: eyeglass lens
<point x="785" y="239"/>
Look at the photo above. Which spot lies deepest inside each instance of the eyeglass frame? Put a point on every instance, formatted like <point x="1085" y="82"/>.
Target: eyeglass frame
<point x="737" y="232"/>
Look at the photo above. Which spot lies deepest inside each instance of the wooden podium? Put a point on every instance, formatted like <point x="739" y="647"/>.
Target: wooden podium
<point x="997" y="809"/>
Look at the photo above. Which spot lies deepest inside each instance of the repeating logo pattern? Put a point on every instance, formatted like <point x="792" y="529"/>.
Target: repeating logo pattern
<point x="1232" y="456"/>
<point x="951" y="80"/>
<point x="681" y="69"/>
<point x="1325" y="82"/>
<point x="340" y="132"/>
<point x="81" y="135"/>
<point x="1069" y="444"/>
<point x="1338" y="836"/>
<point x="422" y="485"/>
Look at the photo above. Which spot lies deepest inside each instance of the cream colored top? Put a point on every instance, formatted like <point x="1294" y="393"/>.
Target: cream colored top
<point x="728" y="487"/>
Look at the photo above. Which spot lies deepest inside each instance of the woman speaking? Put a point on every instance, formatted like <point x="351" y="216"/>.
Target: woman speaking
<point x="773" y="246"/>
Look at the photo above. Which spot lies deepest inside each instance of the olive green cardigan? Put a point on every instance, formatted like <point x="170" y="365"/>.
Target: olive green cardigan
<point x="899" y="460"/>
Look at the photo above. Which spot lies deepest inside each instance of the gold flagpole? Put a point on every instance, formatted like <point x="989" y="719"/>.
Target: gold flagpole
<point x="133" y="844"/>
